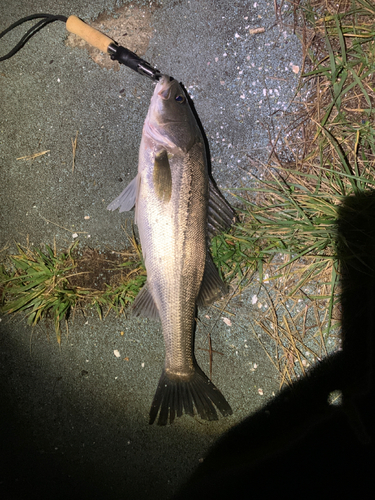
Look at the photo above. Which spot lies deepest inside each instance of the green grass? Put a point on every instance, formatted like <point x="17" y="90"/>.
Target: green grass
<point x="288" y="227"/>
<point x="38" y="284"/>
<point x="41" y="284"/>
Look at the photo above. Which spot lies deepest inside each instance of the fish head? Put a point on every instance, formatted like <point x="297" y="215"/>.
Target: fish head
<point x="170" y="121"/>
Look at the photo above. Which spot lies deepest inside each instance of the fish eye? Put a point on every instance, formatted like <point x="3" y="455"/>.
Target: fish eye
<point x="180" y="98"/>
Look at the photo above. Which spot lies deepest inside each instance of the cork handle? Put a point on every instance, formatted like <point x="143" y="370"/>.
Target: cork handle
<point x="89" y="34"/>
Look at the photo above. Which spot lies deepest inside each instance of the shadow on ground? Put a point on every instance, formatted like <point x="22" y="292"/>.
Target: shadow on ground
<point x="304" y="440"/>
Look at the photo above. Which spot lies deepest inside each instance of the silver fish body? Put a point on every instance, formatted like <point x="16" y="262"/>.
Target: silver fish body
<point x="177" y="207"/>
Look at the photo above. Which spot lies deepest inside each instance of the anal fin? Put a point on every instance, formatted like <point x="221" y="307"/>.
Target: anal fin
<point x="213" y="287"/>
<point x="144" y="305"/>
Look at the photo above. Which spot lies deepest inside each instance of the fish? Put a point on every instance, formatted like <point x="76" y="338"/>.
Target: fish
<point x="178" y="208"/>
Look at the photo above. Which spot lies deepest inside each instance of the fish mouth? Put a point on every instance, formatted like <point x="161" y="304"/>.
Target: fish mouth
<point x="165" y="84"/>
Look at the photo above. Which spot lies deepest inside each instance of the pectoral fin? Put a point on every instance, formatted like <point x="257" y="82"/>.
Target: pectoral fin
<point x="126" y="200"/>
<point x="162" y="176"/>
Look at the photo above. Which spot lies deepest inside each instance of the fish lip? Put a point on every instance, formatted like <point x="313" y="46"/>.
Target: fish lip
<point x="166" y="82"/>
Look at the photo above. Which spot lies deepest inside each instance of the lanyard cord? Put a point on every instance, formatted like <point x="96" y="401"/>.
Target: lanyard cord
<point x="45" y="19"/>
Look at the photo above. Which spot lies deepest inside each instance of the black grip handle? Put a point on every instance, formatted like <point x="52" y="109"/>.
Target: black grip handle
<point x="132" y="61"/>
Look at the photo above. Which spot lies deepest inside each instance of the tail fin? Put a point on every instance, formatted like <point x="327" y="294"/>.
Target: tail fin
<point x="176" y="396"/>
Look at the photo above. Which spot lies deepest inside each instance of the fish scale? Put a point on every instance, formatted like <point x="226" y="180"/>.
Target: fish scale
<point x="177" y="209"/>
<point x="174" y="279"/>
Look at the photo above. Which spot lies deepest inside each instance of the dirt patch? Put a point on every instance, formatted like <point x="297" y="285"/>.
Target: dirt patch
<point x="129" y="26"/>
<point x="95" y="270"/>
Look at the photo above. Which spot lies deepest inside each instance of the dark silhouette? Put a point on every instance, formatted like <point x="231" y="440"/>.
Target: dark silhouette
<point x="300" y="445"/>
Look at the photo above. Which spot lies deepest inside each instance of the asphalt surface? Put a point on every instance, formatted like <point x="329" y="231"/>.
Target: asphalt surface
<point x="75" y="417"/>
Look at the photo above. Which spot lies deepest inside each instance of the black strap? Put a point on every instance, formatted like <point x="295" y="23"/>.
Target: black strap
<point x="45" y="19"/>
